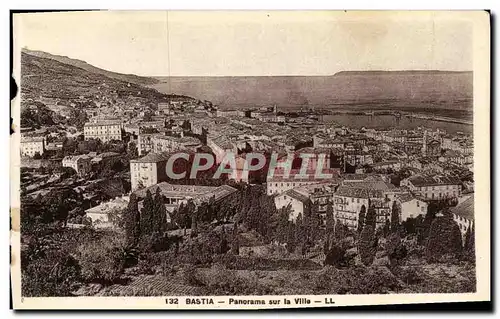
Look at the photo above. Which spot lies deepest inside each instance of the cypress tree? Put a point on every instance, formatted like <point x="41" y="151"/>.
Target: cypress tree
<point x="445" y="238"/>
<point x="470" y="246"/>
<point x="194" y="224"/>
<point x="159" y="213"/>
<point x="132" y="220"/>
<point x="371" y="216"/>
<point x="147" y="210"/>
<point x="367" y="245"/>
<point x="330" y="221"/>
<point x="235" y="244"/>
<point x="361" y="219"/>
<point x="396" y="212"/>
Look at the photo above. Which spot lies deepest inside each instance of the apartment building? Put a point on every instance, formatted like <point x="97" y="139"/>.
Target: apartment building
<point x="82" y="164"/>
<point x="31" y="145"/>
<point x="148" y="170"/>
<point x="433" y="188"/>
<point x="103" y="130"/>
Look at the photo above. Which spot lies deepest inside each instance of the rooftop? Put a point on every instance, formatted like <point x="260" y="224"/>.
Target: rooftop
<point x="202" y="193"/>
<point x="465" y="209"/>
<point x="152" y="158"/>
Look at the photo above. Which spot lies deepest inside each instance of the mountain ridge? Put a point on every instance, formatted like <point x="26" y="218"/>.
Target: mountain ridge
<point x="132" y="78"/>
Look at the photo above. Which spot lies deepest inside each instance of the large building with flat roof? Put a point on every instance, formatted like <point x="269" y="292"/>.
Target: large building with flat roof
<point x="103" y="130"/>
<point x="31" y="145"/>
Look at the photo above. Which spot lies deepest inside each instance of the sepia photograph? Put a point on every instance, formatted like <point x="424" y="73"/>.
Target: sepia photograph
<point x="250" y="159"/>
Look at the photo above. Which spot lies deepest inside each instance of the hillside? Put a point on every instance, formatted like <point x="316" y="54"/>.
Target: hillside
<point x="425" y="89"/>
<point x="141" y="80"/>
<point x="43" y="78"/>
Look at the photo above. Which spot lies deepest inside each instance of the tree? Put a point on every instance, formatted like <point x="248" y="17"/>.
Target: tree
<point x="371" y="215"/>
<point x="432" y="209"/>
<point x="146" y="220"/>
<point x="159" y="214"/>
<point x="367" y="244"/>
<point x="330" y="221"/>
<point x="223" y="244"/>
<point x="340" y="230"/>
<point x="444" y="239"/>
<point x="395" y="249"/>
<point x="132" y="220"/>
<point x="235" y="243"/>
<point x="469" y="247"/>
<point x="194" y="223"/>
<point x="387" y="228"/>
<point x="335" y="256"/>
<point x="396" y="212"/>
<point x="361" y="219"/>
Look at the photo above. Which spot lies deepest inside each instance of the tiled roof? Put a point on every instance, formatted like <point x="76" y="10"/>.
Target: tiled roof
<point x="201" y="193"/>
<point x="465" y="209"/>
<point x="421" y="180"/>
<point x="357" y="192"/>
<point x="152" y="158"/>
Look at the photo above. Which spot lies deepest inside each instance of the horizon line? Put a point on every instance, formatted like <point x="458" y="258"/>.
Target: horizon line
<point x="241" y="75"/>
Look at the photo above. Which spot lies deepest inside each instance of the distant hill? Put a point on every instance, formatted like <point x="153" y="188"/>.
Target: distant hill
<point x="48" y="78"/>
<point x="141" y="80"/>
<point x="371" y="89"/>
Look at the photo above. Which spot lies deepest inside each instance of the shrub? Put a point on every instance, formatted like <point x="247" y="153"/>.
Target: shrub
<point x="444" y="238"/>
<point x="367" y="245"/>
<point x="190" y="276"/>
<point x="103" y="260"/>
<point x="411" y="275"/>
<point x="219" y="280"/>
<point x="336" y="256"/>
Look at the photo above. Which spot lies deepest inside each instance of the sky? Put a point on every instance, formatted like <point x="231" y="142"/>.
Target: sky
<point x="252" y="43"/>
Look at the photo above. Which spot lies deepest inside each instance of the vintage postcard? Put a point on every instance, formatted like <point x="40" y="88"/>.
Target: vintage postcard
<point x="250" y="160"/>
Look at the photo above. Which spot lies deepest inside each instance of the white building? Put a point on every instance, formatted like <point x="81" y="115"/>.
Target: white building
<point x="30" y="145"/>
<point x="433" y="188"/>
<point x="103" y="130"/>
<point x="80" y="163"/>
<point x="411" y="207"/>
<point x="174" y="195"/>
<point x="148" y="170"/>
<point x="356" y="193"/>
<point x="463" y="215"/>
<point x="297" y="201"/>
<point x="103" y="215"/>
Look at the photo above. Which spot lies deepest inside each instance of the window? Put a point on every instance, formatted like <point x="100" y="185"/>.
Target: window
<point x="418" y="203"/>
<point x="358" y="200"/>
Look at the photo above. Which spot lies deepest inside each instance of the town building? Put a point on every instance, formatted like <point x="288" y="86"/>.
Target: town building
<point x="103" y="130"/>
<point x="411" y="206"/>
<point x="164" y="143"/>
<point x="31" y="145"/>
<point x="104" y="158"/>
<point x="279" y="182"/>
<point x="230" y="113"/>
<point x="463" y="215"/>
<point x="107" y="214"/>
<point x="220" y="146"/>
<point x="298" y="202"/>
<point x="148" y="170"/>
<point x="433" y="188"/>
<point x="353" y="194"/>
<point x="80" y="163"/>
<point x="174" y="195"/>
